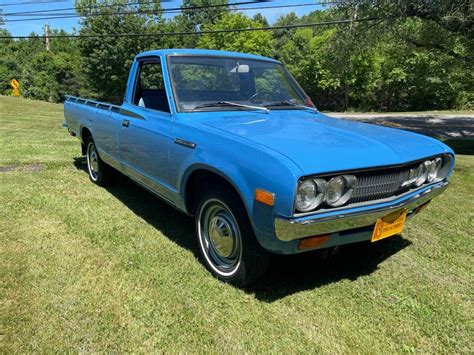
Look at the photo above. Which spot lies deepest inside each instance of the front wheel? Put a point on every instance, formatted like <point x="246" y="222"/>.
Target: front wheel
<point x="226" y="240"/>
<point x="99" y="172"/>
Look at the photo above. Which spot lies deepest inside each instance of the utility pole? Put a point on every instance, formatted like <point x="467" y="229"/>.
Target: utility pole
<point x="46" y="36"/>
<point x="354" y="15"/>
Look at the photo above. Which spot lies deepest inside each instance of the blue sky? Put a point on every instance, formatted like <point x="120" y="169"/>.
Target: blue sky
<point x="25" y="28"/>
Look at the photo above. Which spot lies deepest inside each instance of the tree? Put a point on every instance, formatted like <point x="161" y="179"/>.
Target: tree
<point x="197" y="18"/>
<point x="256" y="42"/>
<point x="107" y="60"/>
<point x="434" y="44"/>
<point x="306" y="55"/>
<point x="395" y="63"/>
<point x="37" y="78"/>
<point x="418" y="55"/>
<point x="455" y="16"/>
<point x="259" y="18"/>
<point x="8" y="66"/>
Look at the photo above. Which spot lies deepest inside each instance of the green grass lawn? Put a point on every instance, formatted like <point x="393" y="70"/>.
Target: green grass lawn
<point x="84" y="268"/>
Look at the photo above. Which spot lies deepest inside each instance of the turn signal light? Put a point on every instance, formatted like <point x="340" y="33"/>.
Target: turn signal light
<point x="313" y="242"/>
<point x="265" y="197"/>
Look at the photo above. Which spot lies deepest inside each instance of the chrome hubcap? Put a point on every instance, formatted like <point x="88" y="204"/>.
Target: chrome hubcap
<point x="92" y="161"/>
<point x="219" y="237"/>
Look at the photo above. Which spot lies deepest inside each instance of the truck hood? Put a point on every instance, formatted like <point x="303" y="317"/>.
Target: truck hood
<point x="322" y="144"/>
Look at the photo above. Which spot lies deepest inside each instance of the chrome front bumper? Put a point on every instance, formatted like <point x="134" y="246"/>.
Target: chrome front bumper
<point x="332" y="222"/>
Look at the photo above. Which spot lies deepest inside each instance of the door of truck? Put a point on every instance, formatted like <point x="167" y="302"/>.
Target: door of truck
<point x="145" y="130"/>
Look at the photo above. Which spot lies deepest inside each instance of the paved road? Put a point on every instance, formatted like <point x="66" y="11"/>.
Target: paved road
<point x="438" y="125"/>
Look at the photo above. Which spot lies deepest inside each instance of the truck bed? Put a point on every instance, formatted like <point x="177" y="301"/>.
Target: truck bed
<point x="79" y="112"/>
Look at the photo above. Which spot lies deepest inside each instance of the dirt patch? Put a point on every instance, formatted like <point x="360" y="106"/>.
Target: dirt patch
<point x="32" y="168"/>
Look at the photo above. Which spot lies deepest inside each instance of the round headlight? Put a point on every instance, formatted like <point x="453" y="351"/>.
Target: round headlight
<point x="434" y="169"/>
<point x="310" y="194"/>
<point x="422" y="173"/>
<point x="335" y="190"/>
<point x="340" y="189"/>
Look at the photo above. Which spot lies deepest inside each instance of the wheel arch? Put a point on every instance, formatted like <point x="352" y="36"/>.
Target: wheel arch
<point x="204" y="174"/>
<point x="85" y="134"/>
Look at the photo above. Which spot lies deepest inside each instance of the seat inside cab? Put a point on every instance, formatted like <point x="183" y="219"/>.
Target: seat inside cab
<point x="154" y="99"/>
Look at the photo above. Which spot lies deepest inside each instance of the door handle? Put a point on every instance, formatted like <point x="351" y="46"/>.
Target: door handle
<point x="125" y="123"/>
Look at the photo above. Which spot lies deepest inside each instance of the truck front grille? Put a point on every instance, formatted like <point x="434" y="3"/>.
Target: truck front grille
<point x="379" y="184"/>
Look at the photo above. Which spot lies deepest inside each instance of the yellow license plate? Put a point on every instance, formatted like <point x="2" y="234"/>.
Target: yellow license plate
<point x="389" y="225"/>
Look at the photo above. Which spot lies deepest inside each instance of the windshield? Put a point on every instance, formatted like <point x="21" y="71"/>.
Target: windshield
<point x="210" y="83"/>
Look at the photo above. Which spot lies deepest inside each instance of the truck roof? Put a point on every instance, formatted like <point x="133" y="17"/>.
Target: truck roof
<point x="209" y="52"/>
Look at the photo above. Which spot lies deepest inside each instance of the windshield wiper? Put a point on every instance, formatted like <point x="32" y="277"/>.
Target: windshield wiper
<point x="230" y="103"/>
<point x="292" y="104"/>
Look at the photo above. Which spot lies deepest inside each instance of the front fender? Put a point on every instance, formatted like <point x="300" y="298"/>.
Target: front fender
<point x="246" y="166"/>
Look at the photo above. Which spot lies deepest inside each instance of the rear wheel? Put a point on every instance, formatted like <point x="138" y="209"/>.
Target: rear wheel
<point x="99" y="172"/>
<point x="227" y="244"/>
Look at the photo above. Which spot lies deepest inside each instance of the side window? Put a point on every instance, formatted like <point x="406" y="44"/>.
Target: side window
<point x="149" y="88"/>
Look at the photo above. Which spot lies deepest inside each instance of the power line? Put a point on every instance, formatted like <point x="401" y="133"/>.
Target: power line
<point x="101" y="6"/>
<point x="177" y="9"/>
<point x="32" y="2"/>
<point x="168" y="10"/>
<point x="199" y="33"/>
<point x="135" y="12"/>
<point x="87" y="7"/>
<point x="174" y="10"/>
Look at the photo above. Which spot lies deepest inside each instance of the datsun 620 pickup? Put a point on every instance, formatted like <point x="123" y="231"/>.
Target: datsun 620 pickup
<point x="234" y="141"/>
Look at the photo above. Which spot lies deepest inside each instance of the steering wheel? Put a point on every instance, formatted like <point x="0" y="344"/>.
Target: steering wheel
<point x="254" y="97"/>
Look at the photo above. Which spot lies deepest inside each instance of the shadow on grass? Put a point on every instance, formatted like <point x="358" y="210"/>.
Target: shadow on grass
<point x="173" y="224"/>
<point x="287" y="274"/>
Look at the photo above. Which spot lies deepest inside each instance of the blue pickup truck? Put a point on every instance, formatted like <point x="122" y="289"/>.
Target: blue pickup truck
<point x="234" y="141"/>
